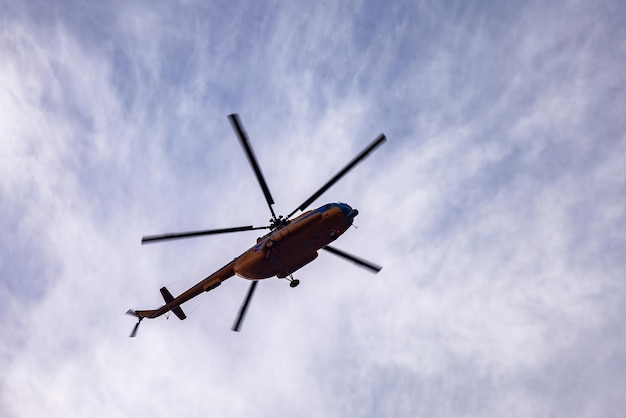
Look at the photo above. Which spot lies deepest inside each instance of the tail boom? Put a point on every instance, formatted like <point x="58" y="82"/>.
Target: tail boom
<point x="173" y="303"/>
<point x="148" y="313"/>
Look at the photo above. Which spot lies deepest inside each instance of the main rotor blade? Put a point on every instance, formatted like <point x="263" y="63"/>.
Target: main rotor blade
<point x="359" y="261"/>
<point x="244" y="307"/>
<point x="133" y="333"/>
<point x="378" y="141"/>
<point x="245" y="143"/>
<point x="165" y="237"/>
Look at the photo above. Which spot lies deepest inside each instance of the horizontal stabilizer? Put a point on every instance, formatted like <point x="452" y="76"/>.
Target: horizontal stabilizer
<point x="179" y="313"/>
<point x="167" y="296"/>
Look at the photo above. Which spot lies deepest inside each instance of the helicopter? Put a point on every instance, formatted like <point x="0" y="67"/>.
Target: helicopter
<point x="289" y="245"/>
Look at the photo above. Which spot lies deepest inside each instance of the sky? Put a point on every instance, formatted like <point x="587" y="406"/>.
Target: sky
<point x="497" y="207"/>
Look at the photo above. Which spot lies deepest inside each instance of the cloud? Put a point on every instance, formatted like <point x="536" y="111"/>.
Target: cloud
<point x="496" y="208"/>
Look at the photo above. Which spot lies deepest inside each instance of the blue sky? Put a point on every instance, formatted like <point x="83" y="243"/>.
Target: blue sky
<point x="496" y="207"/>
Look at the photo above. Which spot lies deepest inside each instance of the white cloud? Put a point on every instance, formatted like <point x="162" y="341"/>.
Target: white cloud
<point x="496" y="208"/>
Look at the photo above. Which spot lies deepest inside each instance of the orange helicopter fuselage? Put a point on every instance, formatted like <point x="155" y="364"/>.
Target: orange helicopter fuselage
<point x="291" y="247"/>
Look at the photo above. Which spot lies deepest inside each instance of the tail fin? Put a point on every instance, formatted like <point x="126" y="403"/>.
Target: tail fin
<point x="167" y="296"/>
<point x="145" y="314"/>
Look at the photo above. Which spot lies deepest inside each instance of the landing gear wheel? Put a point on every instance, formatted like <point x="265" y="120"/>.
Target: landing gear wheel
<point x="294" y="283"/>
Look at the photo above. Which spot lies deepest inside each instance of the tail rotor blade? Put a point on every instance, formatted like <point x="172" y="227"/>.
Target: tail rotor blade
<point x="244" y="307"/>
<point x="131" y="312"/>
<point x="134" y="331"/>
<point x="358" y="261"/>
<point x="371" y="147"/>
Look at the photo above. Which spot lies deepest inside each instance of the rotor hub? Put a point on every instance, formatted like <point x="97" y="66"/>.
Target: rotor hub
<point x="278" y="222"/>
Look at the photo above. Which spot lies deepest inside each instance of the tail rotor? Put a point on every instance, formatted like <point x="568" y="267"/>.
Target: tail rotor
<point x="131" y="312"/>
